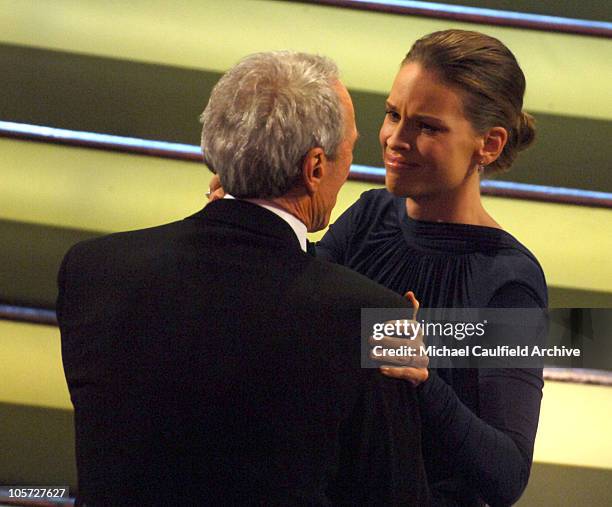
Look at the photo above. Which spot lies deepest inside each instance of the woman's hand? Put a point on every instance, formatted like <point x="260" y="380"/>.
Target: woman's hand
<point x="418" y="373"/>
<point x="415" y="376"/>
<point x="215" y="190"/>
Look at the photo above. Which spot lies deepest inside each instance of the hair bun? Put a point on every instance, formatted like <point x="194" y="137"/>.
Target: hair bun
<point x="525" y="131"/>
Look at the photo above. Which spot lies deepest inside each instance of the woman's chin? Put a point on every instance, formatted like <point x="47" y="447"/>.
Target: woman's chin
<point x="396" y="186"/>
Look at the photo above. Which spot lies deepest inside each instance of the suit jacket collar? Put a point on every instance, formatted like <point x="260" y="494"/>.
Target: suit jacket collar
<point x="248" y="216"/>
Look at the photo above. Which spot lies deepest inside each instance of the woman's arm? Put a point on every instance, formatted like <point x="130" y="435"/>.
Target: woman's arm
<point x="334" y="244"/>
<point x="494" y="451"/>
<point x="349" y="231"/>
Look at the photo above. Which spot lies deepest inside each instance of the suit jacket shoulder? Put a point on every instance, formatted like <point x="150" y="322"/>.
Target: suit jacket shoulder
<point x="214" y="348"/>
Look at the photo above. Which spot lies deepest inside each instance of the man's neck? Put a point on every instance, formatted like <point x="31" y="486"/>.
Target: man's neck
<point x="283" y="208"/>
<point x="298" y="208"/>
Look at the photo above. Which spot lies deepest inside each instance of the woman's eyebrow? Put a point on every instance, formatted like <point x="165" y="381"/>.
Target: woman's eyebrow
<point x="419" y="117"/>
<point x="428" y="118"/>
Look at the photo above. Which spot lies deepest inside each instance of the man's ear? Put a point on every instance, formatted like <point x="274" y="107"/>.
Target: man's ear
<point x="313" y="169"/>
<point x="493" y="144"/>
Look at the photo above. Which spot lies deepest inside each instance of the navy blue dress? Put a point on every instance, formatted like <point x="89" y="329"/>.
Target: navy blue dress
<point x="479" y="425"/>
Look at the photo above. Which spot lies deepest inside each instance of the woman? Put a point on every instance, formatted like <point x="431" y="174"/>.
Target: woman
<point x="454" y="113"/>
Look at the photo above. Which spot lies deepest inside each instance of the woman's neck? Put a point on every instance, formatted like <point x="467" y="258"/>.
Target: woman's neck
<point x="463" y="206"/>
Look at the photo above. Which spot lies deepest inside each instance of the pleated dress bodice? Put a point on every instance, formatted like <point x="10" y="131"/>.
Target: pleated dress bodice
<point x="446" y="265"/>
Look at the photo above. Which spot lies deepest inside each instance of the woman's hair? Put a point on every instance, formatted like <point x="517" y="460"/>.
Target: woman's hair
<point x="491" y="81"/>
<point x="264" y="115"/>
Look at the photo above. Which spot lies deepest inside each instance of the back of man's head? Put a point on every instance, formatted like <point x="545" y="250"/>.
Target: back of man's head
<point x="264" y="115"/>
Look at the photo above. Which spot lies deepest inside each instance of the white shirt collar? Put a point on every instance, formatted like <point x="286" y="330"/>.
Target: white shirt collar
<point x="298" y="227"/>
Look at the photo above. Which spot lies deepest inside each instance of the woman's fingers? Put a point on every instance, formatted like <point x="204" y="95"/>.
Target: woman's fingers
<point x="415" y="376"/>
<point x="415" y="303"/>
<point x="417" y="372"/>
<point x="215" y="190"/>
<point x="415" y="360"/>
<point x="397" y="332"/>
<point x="406" y="348"/>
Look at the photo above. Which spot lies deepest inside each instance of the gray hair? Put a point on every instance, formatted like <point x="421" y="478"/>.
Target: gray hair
<point x="264" y="115"/>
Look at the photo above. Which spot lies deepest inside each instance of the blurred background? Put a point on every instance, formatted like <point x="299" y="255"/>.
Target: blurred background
<point x="144" y="70"/>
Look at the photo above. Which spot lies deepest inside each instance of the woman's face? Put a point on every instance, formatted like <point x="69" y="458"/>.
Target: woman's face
<point x="429" y="147"/>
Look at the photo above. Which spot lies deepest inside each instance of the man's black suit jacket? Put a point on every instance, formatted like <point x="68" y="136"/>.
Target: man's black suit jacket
<point x="211" y="361"/>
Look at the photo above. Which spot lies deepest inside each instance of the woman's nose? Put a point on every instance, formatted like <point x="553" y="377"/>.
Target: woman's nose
<point x="399" y="140"/>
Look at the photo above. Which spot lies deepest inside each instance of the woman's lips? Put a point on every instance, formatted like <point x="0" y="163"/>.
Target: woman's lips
<point x="399" y="164"/>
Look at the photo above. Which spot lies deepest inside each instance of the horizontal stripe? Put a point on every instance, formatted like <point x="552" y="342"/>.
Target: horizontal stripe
<point x="358" y="172"/>
<point x="368" y="47"/>
<point x="479" y="15"/>
<point x="576" y="375"/>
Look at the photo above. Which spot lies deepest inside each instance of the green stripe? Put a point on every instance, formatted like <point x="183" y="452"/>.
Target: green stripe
<point x="161" y="102"/>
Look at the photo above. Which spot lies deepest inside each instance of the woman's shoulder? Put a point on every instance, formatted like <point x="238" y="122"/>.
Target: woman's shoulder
<point x="516" y="266"/>
<point x="519" y="259"/>
<point x="375" y="199"/>
<point x="374" y="216"/>
<point x="375" y="208"/>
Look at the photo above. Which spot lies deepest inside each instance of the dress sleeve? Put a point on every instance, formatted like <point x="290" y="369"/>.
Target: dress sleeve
<point x="335" y="243"/>
<point x="492" y="452"/>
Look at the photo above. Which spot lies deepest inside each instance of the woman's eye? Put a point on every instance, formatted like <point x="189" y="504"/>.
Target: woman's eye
<point x="392" y="115"/>
<point x="426" y="127"/>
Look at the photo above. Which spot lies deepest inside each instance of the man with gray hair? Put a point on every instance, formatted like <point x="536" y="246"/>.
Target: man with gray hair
<point x="212" y="361"/>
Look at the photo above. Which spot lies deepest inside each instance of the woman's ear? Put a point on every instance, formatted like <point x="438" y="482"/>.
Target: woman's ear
<point x="313" y="168"/>
<point x="493" y="144"/>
